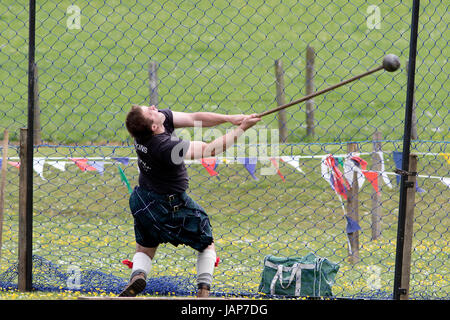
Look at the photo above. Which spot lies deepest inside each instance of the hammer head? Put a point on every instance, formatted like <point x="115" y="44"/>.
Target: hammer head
<point x="391" y="63"/>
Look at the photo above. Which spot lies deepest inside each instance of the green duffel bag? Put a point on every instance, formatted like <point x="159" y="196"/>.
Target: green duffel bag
<point x="310" y="276"/>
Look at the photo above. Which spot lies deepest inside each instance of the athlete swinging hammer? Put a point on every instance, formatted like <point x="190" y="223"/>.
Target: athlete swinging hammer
<point x="161" y="208"/>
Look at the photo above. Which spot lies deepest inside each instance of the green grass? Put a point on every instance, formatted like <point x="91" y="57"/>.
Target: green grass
<point x="219" y="57"/>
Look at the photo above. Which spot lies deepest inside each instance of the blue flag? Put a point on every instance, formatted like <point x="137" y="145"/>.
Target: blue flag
<point x="250" y="165"/>
<point x="398" y="164"/>
<point x="123" y="160"/>
<point x="99" y="165"/>
<point x="352" y="225"/>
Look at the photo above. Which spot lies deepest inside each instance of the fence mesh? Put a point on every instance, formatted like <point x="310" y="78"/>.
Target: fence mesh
<point x="96" y="58"/>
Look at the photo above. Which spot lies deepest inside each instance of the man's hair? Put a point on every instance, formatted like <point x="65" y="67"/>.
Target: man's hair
<point x="137" y="125"/>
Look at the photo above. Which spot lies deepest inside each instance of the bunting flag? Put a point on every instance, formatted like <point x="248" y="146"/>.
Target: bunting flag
<point x="352" y="225"/>
<point x="325" y="170"/>
<point x="354" y="164"/>
<point x="446" y="156"/>
<point x="361" y="162"/>
<point x="14" y="164"/>
<point x="385" y="177"/>
<point x="209" y="164"/>
<point x="340" y="160"/>
<point x="336" y="179"/>
<point x="250" y="165"/>
<point x="372" y="176"/>
<point x="398" y="164"/>
<point x="446" y="181"/>
<point x="60" y="165"/>
<point x="293" y="161"/>
<point x="275" y="164"/>
<point x="98" y="165"/>
<point x="124" y="179"/>
<point x="123" y="160"/>
<point x="83" y="164"/>
<point x="329" y="172"/>
<point x="38" y="166"/>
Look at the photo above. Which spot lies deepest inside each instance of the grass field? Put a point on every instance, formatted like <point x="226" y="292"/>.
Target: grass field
<point x="219" y="57"/>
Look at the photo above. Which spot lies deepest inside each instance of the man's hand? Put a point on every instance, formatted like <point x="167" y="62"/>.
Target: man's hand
<point x="249" y="121"/>
<point x="236" y="119"/>
<point x="200" y="149"/>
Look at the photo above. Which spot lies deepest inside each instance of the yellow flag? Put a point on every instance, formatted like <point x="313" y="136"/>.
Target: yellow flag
<point x="446" y="156"/>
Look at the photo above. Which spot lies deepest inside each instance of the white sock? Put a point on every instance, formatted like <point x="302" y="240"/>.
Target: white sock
<point x="205" y="266"/>
<point x="141" y="263"/>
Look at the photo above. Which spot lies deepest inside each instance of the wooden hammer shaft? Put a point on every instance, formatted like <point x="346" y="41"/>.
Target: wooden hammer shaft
<point x="317" y="93"/>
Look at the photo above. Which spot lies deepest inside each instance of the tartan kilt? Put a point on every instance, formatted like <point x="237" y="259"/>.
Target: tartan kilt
<point x="175" y="219"/>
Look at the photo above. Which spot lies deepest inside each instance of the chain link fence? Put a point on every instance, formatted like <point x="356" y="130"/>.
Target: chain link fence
<point x="94" y="59"/>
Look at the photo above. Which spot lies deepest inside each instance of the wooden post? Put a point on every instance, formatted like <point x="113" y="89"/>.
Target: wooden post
<point x="352" y="210"/>
<point x="409" y="223"/>
<point x="3" y="184"/>
<point x="310" y="56"/>
<point x="153" y="82"/>
<point x="279" y="75"/>
<point x="24" y="269"/>
<point x="376" y="197"/>
<point x="37" y="112"/>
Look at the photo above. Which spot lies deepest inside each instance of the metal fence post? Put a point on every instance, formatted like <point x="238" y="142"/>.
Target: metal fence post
<point x="398" y="290"/>
<point x="25" y="232"/>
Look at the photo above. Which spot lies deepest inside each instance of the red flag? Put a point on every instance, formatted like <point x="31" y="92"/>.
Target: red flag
<point x="209" y="164"/>
<point x="14" y="164"/>
<point x="362" y="163"/>
<point x="275" y="164"/>
<point x="83" y="165"/>
<point x="339" y="184"/>
<point x="372" y="176"/>
<point x="128" y="263"/>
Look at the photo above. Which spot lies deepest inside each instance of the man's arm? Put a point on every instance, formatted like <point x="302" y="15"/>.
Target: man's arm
<point x="200" y="149"/>
<point x="206" y="119"/>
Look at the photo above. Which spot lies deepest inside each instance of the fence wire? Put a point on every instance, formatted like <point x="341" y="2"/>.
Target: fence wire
<point x="94" y="59"/>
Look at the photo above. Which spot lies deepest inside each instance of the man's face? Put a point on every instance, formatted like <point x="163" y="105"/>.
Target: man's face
<point x="154" y="115"/>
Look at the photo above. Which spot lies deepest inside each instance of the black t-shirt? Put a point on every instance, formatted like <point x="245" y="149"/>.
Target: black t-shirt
<point x="160" y="160"/>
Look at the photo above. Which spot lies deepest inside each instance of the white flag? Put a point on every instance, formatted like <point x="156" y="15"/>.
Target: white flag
<point x="38" y="166"/>
<point x="325" y="169"/>
<point x="293" y="161"/>
<point x="383" y="173"/>
<point x="350" y="167"/>
<point x="60" y="165"/>
<point x="446" y="181"/>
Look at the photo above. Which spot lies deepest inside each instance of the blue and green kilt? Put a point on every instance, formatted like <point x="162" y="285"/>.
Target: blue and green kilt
<point x="176" y="219"/>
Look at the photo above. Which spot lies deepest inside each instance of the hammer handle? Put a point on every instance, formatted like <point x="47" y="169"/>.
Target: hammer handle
<point x="317" y="93"/>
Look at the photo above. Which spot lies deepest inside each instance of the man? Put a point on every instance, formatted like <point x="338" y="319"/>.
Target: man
<point x="162" y="210"/>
